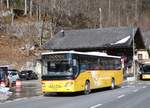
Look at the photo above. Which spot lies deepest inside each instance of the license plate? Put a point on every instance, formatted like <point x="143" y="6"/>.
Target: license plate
<point x="54" y="86"/>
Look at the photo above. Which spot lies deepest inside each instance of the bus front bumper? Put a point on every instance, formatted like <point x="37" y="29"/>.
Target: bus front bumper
<point x="58" y="86"/>
<point x="145" y="76"/>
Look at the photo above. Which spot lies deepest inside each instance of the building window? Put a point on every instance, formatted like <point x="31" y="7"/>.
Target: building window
<point x="140" y="56"/>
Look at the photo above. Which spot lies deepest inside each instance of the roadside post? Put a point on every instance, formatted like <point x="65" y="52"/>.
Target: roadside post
<point x="18" y="83"/>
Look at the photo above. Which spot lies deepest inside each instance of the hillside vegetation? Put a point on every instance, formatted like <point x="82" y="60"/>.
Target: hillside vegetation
<point x="85" y="13"/>
<point x="27" y="24"/>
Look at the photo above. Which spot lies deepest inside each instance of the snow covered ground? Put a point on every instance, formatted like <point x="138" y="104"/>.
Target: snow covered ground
<point x="4" y="93"/>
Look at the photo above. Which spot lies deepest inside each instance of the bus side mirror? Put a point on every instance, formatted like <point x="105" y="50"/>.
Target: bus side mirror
<point x="139" y="71"/>
<point x="74" y="62"/>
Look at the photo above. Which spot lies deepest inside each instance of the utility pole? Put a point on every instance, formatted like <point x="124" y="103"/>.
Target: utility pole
<point x="133" y="53"/>
<point x="100" y="18"/>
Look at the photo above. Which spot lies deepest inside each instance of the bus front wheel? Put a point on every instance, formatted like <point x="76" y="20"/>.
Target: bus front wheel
<point x="112" y="84"/>
<point x="87" y="88"/>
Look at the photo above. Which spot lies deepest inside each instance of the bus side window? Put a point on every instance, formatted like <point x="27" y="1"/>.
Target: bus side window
<point x="83" y="67"/>
<point x="75" y="67"/>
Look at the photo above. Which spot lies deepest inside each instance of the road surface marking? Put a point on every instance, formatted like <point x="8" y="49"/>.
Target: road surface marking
<point x="123" y="87"/>
<point x="131" y="83"/>
<point x="135" y="90"/>
<point x="144" y="86"/>
<point x="130" y="86"/>
<point x="95" y="106"/>
<point x="121" y="96"/>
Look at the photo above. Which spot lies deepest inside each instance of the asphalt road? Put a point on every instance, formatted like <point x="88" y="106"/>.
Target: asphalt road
<point x="130" y="95"/>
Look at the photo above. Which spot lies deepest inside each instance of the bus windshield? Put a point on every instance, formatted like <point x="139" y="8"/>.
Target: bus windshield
<point x="146" y="68"/>
<point x="59" y="68"/>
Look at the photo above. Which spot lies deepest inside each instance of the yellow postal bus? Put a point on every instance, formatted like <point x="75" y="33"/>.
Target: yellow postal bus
<point x="71" y="71"/>
<point x="144" y="71"/>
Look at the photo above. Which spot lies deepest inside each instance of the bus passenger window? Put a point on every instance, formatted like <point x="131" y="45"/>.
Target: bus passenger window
<point x="82" y="67"/>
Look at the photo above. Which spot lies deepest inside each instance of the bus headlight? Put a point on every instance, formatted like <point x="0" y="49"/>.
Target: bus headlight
<point x="43" y="84"/>
<point x="68" y="84"/>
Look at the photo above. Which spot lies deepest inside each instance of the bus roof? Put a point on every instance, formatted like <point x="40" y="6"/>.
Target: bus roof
<point x="146" y="63"/>
<point x="102" y="54"/>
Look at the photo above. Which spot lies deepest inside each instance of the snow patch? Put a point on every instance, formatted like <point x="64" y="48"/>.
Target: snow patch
<point x="5" y="90"/>
<point x="124" y="40"/>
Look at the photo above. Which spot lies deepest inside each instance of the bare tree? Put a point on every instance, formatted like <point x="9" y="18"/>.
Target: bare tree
<point x="1" y="4"/>
<point x="31" y="5"/>
<point x="12" y="17"/>
<point x="42" y="30"/>
<point x="100" y="17"/>
<point x="119" y="14"/>
<point x="39" y="13"/>
<point x="7" y="4"/>
<point x="25" y="7"/>
<point x="136" y="12"/>
<point x="109" y="11"/>
<point x="51" y="30"/>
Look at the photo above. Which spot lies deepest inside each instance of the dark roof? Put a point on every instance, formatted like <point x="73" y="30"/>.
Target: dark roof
<point x="90" y="38"/>
<point x="146" y="37"/>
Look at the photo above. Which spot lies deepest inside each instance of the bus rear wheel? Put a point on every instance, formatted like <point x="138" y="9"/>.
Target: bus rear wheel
<point x="87" y="88"/>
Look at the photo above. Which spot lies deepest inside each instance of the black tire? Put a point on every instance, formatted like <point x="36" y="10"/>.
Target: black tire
<point x="87" y="88"/>
<point x="112" y="84"/>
